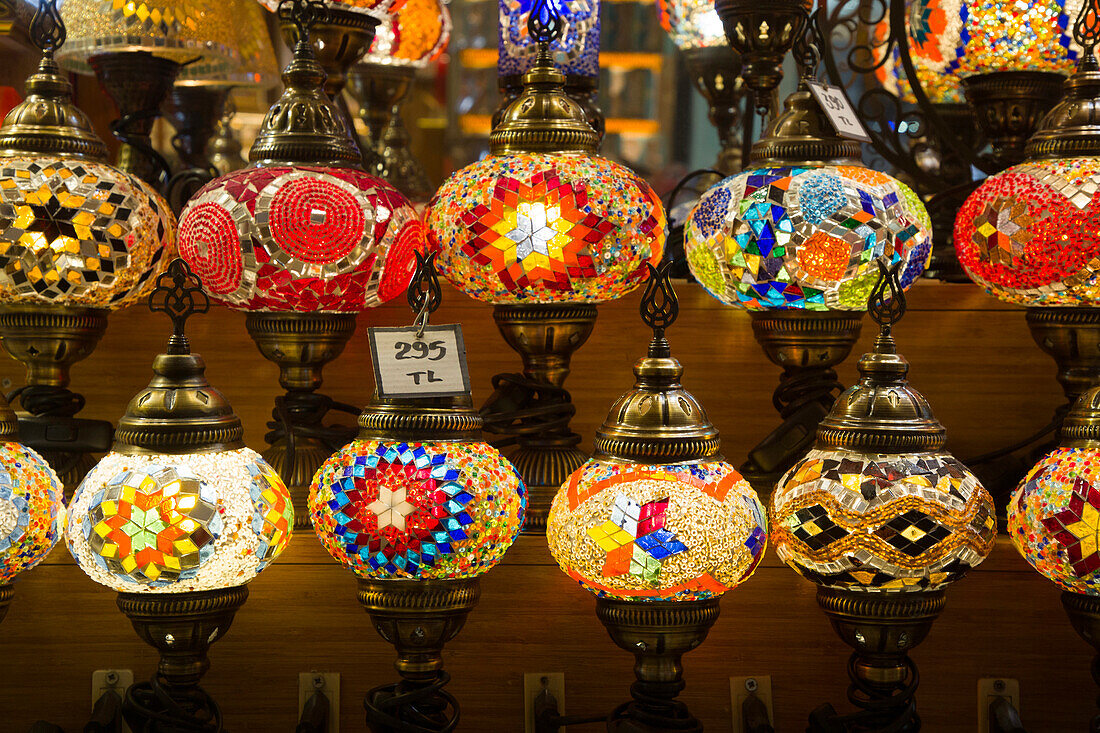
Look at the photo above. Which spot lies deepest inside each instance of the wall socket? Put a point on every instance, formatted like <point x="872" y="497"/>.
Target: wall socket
<point x="741" y="688"/>
<point x="989" y="689"/>
<point x="533" y="684"/>
<point x="326" y="682"/>
<point x="118" y="680"/>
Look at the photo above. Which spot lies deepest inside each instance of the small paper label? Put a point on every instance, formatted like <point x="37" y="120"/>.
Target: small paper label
<point x="432" y="364"/>
<point x="839" y="111"/>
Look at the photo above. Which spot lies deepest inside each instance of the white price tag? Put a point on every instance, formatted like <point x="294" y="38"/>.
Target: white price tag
<point x="433" y="365"/>
<point x="839" y="111"/>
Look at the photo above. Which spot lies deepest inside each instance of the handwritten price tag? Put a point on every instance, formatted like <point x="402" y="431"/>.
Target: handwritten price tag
<point x="433" y="365"/>
<point x="839" y="111"/>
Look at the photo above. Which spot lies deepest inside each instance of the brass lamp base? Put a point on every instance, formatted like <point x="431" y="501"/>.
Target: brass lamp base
<point x="881" y="628"/>
<point x="807" y="345"/>
<point x="195" y="111"/>
<point x="763" y="33"/>
<point x="48" y="341"/>
<point x="581" y="89"/>
<point x="1009" y="106"/>
<point x="1072" y="337"/>
<point x="181" y="627"/>
<point x="301" y="344"/>
<point x="137" y="82"/>
<point x="418" y="617"/>
<point x="658" y="634"/>
<point x="7" y="593"/>
<point x="716" y="71"/>
<point x="533" y="410"/>
<point x="1084" y="615"/>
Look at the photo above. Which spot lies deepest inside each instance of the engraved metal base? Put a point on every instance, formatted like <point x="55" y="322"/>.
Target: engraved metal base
<point x="181" y="627"/>
<point x="301" y="344"/>
<point x="137" y="82"/>
<point x="1072" y="337"/>
<point x="658" y="634"/>
<point x="808" y="345"/>
<point x="715" y="71"/>
<point x="763" y="33"/>
<point x="1084" y="615"/>
<point x="583" y="90"/>
<point x="533" y="410"/>
<point x="418" y="617"/>
<point x="882" y="628"/>
<point x="1009" y="106"/>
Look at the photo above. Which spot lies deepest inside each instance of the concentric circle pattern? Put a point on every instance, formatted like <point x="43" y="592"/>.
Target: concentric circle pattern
<point x="302" y="239"/>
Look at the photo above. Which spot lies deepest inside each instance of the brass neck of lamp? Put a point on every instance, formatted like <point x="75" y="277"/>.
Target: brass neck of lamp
<point x="338" y="40"/>
<point x="716" y="73"/>
<point x="1072" y="337"/>
<point x="49" y="340"/>
<point x="194" y="110"/>
<point x="422" y="420"/>
<point x="1009" y="106"/>
<point x="803" y="136"/>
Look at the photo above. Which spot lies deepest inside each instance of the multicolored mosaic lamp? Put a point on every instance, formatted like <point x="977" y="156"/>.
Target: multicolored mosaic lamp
<point x="882" y="519"/>
<point x="656" y="524"/>
<point x="713" y="66"/>
<point x="135" y="50"/>
<point x="1027" y="236"/>
<point x="78" y="239"/>
<point x="302" y="240"/>
<point x="407" y="41"/>
<point x="795" y="239"/>
<point x="32" y="507"/>
<point x="177" y="518"/>
<point x="418" y="508"/>
<point x="544" y="229"/>
<point x="576" y="50"/>
<point x="1054" y="518"/>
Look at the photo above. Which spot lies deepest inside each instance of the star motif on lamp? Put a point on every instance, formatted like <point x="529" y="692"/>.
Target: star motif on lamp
<point x="1077" y="527"/>
<point x="635" y="539"/>
<point x="391" y="507"/>
<point x="1001" y="230"/>
<point x="536" y="233"/>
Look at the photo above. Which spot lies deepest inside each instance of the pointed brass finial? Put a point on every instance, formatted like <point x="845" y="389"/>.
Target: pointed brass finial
<point x="1086" y="31"/>
<point x="659" y="307"/>
<point x="179" y="294"/>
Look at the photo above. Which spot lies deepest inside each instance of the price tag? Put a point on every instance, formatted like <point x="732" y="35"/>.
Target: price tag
<point x="839" y="110"/>
<point x="433" y="365"/>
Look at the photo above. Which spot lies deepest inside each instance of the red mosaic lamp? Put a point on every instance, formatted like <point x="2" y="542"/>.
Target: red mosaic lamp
<point x="302" y="240"/>
<point x="544" y="229"/>
<point x="1028" y="235"/>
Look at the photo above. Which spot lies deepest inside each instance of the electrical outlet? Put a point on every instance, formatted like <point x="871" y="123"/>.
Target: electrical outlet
<point x="326" y="682"/>
<point x="118" y="680"/>
<point x="989" y="689"/>
<point x="533" y="684"/>
<point x="741" y="688"/>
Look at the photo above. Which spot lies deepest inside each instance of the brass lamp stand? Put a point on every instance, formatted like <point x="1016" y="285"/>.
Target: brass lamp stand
<point x="763" y="33"/>
<point x="1072" y="337"/>
<point x="716" y="73"/>
<point x="1009" y="106"/>
<point x="534" y="407"/>
<point x="195" y="110"/>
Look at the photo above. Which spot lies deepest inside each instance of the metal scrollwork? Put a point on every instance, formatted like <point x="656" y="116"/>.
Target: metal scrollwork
<point x="178" y="294"/>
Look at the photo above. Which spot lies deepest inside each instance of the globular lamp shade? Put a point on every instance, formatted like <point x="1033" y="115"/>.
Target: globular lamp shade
<point x="416" y="35"/>
<point x="179" y="523"/>
<point x="805" y="238"/>
<point x="881" y="523"/>
<point x="79" y="233"/>
<point x="657" y="532"/>
<point x="953" y="39"/>
<point x="300" y="238"/>
<point x="691" y="23"/>
<point x="32" y="510"/>
<point x="255" y="66"/>
<point x="1028" y="235"/>
<point x="576" y="51"/>
<point x="1054" y="517"/>
<point x="417" y="510"/>
<point x="545" y="228"/>
<point x="180" y="30"/>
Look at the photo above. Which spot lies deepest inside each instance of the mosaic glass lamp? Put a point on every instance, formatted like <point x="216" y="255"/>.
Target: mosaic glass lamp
<point x="794" y="239"/>
<point x="409" y="40"/>
<point x="418" y="507"/>
<point x="1053" y="518"/>
<point x="656" y="524"/>
<point x="576" y="52"/>
<point x="178" y="517"/>
<point x="1026" y="234"/>
<point x="713" y="66"/>
<point x="32" y="507"/>
<point x="198" y="99"/>
<point x="882" y="519"/>
<point x="302" y="240"/>
<point x="79" y="240"/>
<point x="135" y="50"/>
<point x="544" y="229"/>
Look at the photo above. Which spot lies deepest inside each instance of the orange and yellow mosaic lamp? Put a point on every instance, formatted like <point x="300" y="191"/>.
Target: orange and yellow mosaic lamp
<point x="416" y="35"/>
<point x="179" y="505"/>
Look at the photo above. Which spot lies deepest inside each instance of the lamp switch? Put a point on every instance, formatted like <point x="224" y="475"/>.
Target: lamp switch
<point x="991" y="688"/>
<point x="118" y="680"/>
<point x="757" y="692"/>
<point x="327" y="683"/>
<point x="533" y="685"/>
